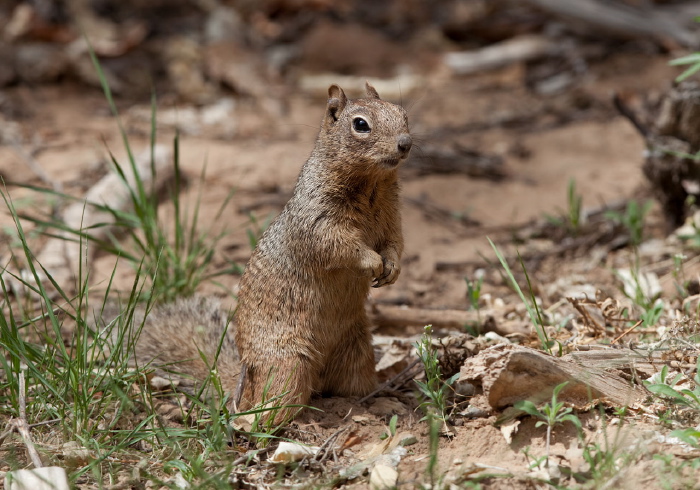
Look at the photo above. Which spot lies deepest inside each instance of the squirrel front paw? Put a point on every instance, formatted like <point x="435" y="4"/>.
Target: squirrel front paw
<point x="371" y="264"/>
<point x="391" y="270"/>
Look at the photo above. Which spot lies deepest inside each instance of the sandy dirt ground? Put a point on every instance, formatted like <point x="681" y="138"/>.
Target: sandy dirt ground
<point x="575" y="134"/>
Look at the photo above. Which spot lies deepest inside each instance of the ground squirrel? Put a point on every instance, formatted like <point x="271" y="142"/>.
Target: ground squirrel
<point x="300" y="326"/>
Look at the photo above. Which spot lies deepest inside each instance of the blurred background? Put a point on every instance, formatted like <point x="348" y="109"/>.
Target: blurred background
<point x="515" y="106"/>
<point x="198" y="50"/>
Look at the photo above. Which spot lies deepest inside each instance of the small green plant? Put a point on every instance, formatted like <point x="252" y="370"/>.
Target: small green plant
<point x="644" y="290"/>
<point x="605" y="459"/>
<point x="257" y="228"/>
<point x="692" y="60"/>
<point x="651" y="316"/>
<point x="690" y="436"/>
<point x="572" y="219"/>
<point x="551" y="414"/>
<point x="473" y="297"/>
<point x="632" y="219"/>
<point x="392" y="428"/>
<point x="434" y="390"/>
<point x="531" y="305"/>
<point x="602" y="463"/>
<point x="666" y="387"/>
<point x="534" y="461"/>
<point x="680" y="280"/>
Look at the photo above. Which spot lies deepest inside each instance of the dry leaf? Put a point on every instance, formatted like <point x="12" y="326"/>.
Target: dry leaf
<point x="353" y="439"/>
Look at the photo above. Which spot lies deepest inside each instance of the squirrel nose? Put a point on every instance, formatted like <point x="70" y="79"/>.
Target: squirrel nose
<point x="405" y="142"/>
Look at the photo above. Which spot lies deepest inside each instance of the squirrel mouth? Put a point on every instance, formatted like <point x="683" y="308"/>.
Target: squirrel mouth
<point x="392" y="162"/>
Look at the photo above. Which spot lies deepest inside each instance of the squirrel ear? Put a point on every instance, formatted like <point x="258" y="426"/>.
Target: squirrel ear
<point x="336" y="101"/>
<point x="371" y="91"/>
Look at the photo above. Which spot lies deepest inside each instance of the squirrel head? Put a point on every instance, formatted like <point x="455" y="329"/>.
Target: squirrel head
<point x="370" y="132"/>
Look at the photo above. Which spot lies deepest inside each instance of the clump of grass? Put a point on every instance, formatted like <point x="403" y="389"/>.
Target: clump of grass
<point x="82" y="389"/>
<point x="80" y="386"/>
<point x="632" y="219"/>
<point x="434" y="390"/>
<point x="572" y="218"/>
<point x="176" y="263"/>
<point x="668" y="388"/>
<point x="474" y="297"/>
<point x="531" y="305"/>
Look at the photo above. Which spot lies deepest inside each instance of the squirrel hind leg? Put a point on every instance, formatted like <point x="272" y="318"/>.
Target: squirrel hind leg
<point x="350" y="370"/>
<point x="277" y="386"/>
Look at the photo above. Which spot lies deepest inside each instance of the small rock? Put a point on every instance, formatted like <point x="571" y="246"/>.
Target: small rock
<point x="474" y="413"/>
<point x="407" y="439"/>
<point x="47" y="478"/>
<point x="464" y="388"/>
<point x="160" y="384"/>
<point x="382" y="477"/>
<point x="387" y="406"/>
<point x="493" y="336"/>
<point x="75" y="455"/>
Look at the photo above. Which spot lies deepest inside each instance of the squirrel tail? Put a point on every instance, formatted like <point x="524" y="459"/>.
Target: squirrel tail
<point x="186" y="341"/>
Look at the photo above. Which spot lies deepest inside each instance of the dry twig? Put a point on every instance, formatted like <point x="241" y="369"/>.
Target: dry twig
<point x="22" y="426"/>
<point x="389" y="382"/>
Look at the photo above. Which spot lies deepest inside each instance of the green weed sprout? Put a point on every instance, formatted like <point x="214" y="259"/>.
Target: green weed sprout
<point x="632" y="219"/>
<point x="692" y="60"/>
<point x="551" y="414"/>
<point x="434" y="389"/>
<point x="572" y="218"/>
<point x="665" y="388"/>
<point x="473" y="297"/>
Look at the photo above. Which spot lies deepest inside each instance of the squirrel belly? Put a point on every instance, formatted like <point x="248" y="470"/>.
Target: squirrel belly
<point x="300" y="325"/>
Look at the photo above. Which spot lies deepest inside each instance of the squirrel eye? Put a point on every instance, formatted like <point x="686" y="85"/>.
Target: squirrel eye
<point x="360" y="125"/>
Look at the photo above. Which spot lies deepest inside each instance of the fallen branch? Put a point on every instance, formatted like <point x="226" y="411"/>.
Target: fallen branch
<point x="391" y="316"/>
<point x="517" y="49"/>
<point x="390" y="382"/>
